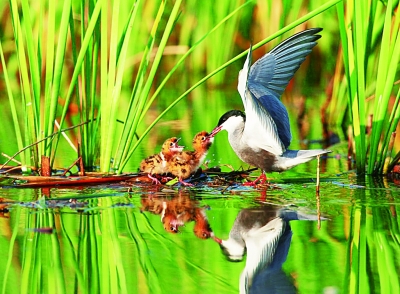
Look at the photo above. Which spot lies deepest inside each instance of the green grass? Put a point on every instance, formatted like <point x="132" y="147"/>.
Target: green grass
<point x="102" y="65"/>
<point x="370" y="44"/>
<point x="97" y="86"/>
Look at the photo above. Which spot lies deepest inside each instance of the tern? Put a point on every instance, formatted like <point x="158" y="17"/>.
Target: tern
<point x="261" y="137"/>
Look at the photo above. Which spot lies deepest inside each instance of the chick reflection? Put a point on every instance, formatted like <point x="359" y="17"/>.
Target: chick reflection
<point x="178" y="211"/>
<point x="264" y="232"/>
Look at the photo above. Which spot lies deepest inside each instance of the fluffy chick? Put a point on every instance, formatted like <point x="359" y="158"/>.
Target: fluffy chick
<point x="157" y="164"/>
<point x="186" y="163"/>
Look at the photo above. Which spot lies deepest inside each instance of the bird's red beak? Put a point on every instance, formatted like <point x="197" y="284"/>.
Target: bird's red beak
<point x="215" y="131"/>
<point x="176" y="147"/>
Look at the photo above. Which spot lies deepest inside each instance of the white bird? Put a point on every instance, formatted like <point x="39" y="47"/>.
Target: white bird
<point x="264" y="233"/>
<point x="261" y="137"/>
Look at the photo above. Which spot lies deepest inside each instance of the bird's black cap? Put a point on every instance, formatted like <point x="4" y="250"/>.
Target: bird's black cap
<point x="229" y="114"/>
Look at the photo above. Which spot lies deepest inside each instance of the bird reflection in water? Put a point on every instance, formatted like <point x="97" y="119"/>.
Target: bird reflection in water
<point x="264" y="233"/>
<point x="177" y="211"/>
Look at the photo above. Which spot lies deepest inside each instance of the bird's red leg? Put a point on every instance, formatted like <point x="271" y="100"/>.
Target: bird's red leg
<point x="262" y="178"/>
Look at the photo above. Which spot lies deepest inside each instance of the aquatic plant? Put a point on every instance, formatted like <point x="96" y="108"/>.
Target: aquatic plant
<point x="76" y="57"/>
<point x="83" y="61"/>
<point x="370" y="40"/>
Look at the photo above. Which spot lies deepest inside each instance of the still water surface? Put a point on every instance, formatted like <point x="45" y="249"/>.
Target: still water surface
<point x="111" y="239"/>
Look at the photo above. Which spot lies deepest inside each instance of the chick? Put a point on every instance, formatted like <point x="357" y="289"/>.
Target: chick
<point x="157" y="164"/>
<point x="186" y="163"/>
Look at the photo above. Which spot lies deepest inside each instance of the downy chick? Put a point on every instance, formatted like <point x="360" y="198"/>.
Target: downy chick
<point x="186" y="163"/>
<point x="157" y="164"/>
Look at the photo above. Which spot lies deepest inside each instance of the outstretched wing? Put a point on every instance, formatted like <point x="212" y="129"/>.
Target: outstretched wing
<point x="260" y="129"/>
<point x="269" y="76"/>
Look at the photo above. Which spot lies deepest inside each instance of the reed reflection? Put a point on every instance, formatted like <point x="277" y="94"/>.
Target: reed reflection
<point x="264" y="233"/>
<point x="176" y="212"/>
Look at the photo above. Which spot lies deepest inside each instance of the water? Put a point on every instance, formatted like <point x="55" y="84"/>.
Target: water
<point x="111" y="238"/>
<point x="108" y="239"/>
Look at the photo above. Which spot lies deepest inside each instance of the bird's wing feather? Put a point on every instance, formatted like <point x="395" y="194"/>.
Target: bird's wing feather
<point x="243" y="77"/>
<point x="269" y="76"/>
<point x="260" y="129"/>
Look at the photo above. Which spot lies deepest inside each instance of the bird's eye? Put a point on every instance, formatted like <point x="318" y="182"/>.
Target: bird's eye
<point x="171" y="144"/>
<point x="203" y="138"/>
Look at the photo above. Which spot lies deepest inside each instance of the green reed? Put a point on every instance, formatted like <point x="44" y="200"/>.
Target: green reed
<point x="302" y="19"/>
<point x="127" y="144"/>
<point x="370" y="45"/>
<point x="102" y="58"/>
<point x="142" y="87"/>
<point x="97" y="86"/>
<point x="38" y="43"/>
<point x="207" y="57"/>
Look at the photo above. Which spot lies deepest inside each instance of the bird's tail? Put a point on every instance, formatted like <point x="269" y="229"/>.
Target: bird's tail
<point x="291" y="158"/>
